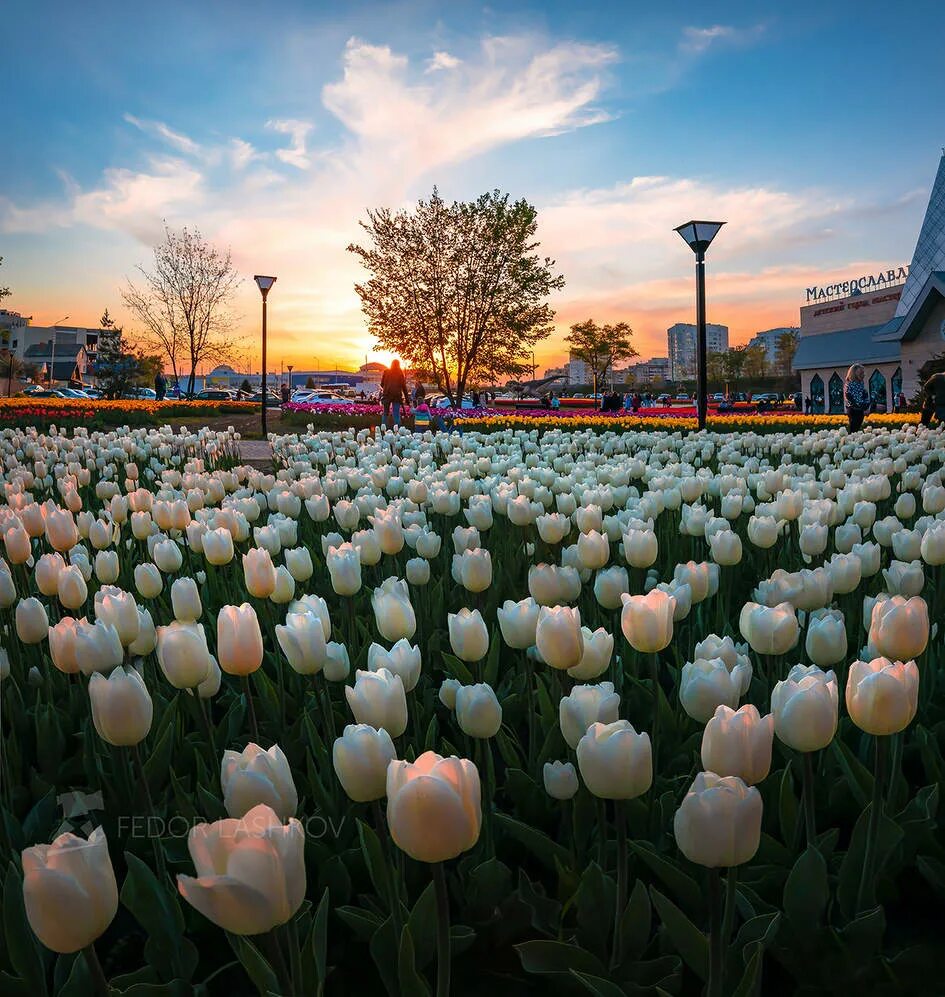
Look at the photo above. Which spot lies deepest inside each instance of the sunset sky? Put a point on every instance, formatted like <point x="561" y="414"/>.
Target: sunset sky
<point x="813" y="129"/>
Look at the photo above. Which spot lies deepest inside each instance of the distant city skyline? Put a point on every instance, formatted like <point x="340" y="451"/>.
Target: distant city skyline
<point x="274" y="134"/>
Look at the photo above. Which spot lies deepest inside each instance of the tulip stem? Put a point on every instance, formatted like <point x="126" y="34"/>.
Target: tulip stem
<point x="621" y="826"/>
<point x="714" y="988"/>
<point x="207" y="726"/>
<point x="393" y="890"/>
<point x="278" y="959"/>
<point x="807" y="781"/>
<point x="530" y="708"/>
<point x="728" y="917"/>
<point x="254" y="729"/>
<point x="876" y="810"/>
<point x="295" y="954"/>
<point x="99" y="983"/>
<point x="442" y="931"/>
<point x="155" y="841"/>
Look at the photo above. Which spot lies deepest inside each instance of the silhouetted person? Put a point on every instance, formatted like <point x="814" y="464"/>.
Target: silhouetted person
<point x="393" y="391"/>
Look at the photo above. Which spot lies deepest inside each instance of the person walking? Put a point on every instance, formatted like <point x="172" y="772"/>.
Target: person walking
<point x="393" y="391"/>
<point x="160" y="386"/>
<point x="856" y="396"/>
<point x="284" y="392"/>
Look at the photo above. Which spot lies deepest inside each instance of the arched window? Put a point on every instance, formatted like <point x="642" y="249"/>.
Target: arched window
<point x="836" y="394"/>
<point x="817" y="394"/>
<point x="878" y="391"/>
<point x="896" y="384"/>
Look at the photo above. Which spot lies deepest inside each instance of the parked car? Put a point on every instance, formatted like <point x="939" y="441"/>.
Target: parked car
<point x="74" y="393"/>
<point x="272" y="401"/>
<point x="40" y="392"/>
<point x="719" y="396"/>
<point x="94" y="393"/>
<point x="214" y="395"/>
<point x="442" y="401"/>
<point x="142" y="394"/>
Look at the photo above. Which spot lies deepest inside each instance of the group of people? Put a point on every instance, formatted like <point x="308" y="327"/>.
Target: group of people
<point x="859" y="403"/>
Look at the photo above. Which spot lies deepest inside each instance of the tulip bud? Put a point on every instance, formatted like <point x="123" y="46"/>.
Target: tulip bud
<point x="707" y="683"/>
<point x="16" y="541"/>
<point x="558" y="636"/>
<point x="805" y="707"/>
<point x="360" y="758"/>
<point x="478" y="712"/>
<point x="738" y="742"/>
<point x="32" y="623"/>
<point x="393" y="612"/>
<point x="69" y="890"/>
<point x="378" y="698"/>
<point x="46" y="573"/>
<point x="148" y="581"/>
<point x="337" y="665"/>
<point x="402" y="659"/>
<point x="647" y="620"/>
<point x="598" y="650"/>
<point x="899" y="627"/>
<point x="344" y="568"/>
<point x="769" y="630"/>
<point x="182" y="654"/>
<point x="610" y="586"/>
<point x="298" y="562"/>
<point x="640" y="548"/>
<point x="218" y="546"/>
<point x="882" y="695"/>
<point x="826" y="642"/>
<point x="259" y="574"/>
<point x="250" y="872"/>
<point x="561" y="781"/>
<point x="469" y="637"/>
<point x="121" y="706"/>
<point x="718" y="823"/>
<point x="518" y="622"/>
<point x="253" y="776"/>
<point x="448" y="690"/>
<point x="434" y="806"/>
<point x="303" y="642"/>
<point x="239" y="640"/>
<point x="586" y="705"/>
<point x="616" y="762"/>
<point x="185" y="600"/>
<point x="418" y="571"/>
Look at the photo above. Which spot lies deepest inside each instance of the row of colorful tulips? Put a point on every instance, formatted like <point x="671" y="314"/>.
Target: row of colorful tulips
<point x="521" y="710"/>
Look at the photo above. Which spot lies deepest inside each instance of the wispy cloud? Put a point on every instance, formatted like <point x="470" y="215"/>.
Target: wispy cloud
<point x="697" y="40"/>
<point x="296" y="155"/>
<point x="441" y="61"/>
<point x="165" y="133"/>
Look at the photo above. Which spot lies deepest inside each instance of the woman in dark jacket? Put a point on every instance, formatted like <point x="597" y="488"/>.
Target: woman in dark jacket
<point x="856" y="396"/>
<point x="393" y="391"/>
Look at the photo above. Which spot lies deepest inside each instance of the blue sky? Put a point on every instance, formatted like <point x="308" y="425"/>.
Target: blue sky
<point x="814" y="129"/>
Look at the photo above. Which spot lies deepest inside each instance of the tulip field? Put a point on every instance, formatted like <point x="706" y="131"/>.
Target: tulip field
<point x="580" y="710"/>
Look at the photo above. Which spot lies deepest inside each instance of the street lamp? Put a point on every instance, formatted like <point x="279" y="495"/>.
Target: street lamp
<point x="699" y="236"/>
<point x="289" y="367"/>
<point x="264" y="284"/>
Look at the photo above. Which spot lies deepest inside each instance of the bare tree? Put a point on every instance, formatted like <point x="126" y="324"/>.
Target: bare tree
<point x="184" y="303"/>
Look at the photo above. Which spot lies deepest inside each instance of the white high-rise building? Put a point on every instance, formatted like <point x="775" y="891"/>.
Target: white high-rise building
<point x="769" y="340"/>
<point x="681" y="341"/>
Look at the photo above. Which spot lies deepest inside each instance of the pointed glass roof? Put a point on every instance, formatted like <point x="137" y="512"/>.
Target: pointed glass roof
<point x="929" y="252"/>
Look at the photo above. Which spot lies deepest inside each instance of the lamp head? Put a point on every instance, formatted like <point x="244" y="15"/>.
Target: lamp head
<point x="699" y="234"/>
<point x="264" y="283"/>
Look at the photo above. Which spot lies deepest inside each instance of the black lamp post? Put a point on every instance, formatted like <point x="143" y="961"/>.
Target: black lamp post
<point x="699" y="236"/>
<point x="264" y="284"/>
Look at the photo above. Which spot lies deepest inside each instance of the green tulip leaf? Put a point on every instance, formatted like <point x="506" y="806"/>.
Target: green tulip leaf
<point x="636" y="921"/>
<point x="411" y="982"/>
<point x="22" y="947"/>
<point x="682" y="886"/>
<point x="888" y="836"/>
<point x="422" y="925"/>
<point x="687" y="939"/>
<point x="597" y="985"/>
<point x="542" y="847"/>
<point x="787" y="808"/>
<point x="364" y="923"/>
<point x="545" y="957"/>
<point x="374" y="859"/>
<point x="257" y="968"/>
<point x="806" y="891"/>
<point x="318" y="939"/>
